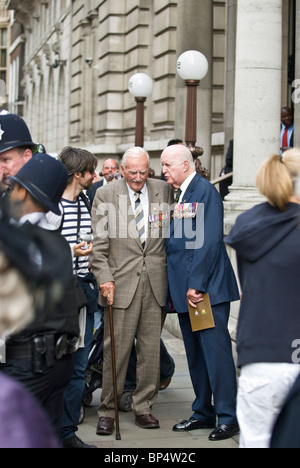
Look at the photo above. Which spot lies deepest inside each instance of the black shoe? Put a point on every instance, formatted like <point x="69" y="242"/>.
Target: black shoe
<point x="191" y="425"/>
<point x="224" y="432"/>
<point x="76" y="443"/>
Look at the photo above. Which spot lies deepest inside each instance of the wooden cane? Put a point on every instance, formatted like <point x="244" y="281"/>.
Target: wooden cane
<point x="113" y="356"/>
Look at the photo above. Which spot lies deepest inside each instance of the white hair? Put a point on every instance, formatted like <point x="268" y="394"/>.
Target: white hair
<point x="135" y="152"/>
<point x="185" y="155"/>
<point x="180" y="154"/>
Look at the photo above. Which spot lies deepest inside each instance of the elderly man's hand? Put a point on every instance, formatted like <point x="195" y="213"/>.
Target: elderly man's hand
<point x="108" y="292"/>
<point x="194" y="297"/>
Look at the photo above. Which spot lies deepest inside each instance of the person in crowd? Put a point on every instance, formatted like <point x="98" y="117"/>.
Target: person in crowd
<point x="110" y="169"/>
<point x="24" y="424"/>
<point x="287" y="129"/>
<point x="16" y="146"/>
<point x="129" y="262"/>
<point x="174" y="141"/>
<point x="32" y="354"/>
<point x="225" y="184"/>
<point x="198" y="263"/>
<point x="75" y="219"/>
<point x="267" y="242"/>
<point x="286" y="432"/>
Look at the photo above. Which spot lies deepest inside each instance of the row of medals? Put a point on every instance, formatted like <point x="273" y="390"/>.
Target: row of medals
<point x="181" y="211"/>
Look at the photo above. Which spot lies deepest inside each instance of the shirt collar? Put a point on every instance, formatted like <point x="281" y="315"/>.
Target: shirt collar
<point x="132" y="193"/>
<point x="185" y="184"/>
<point x="38" y="219"/>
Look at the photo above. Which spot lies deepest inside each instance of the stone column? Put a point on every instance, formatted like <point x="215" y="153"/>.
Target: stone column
<point x="230" y="70"/>
<point x="296" y="95"/>
<point x="257" y="99"/>
<point x="194" y="32"/>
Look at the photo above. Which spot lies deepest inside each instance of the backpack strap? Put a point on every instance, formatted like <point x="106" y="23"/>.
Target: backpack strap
<point x="86" y="201"/>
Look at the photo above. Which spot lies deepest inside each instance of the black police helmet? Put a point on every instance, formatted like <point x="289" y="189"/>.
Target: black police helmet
<point x="14" y="133"/>
<point x="45" y="179"/>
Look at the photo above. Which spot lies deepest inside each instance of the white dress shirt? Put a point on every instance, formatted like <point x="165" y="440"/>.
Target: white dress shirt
<point x="185" y="185"/>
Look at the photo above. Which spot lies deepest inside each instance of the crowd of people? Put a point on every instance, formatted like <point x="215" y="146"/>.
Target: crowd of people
<point x="81" y="247"/>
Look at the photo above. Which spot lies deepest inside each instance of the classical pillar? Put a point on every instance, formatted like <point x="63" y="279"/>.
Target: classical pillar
<point x="257" y="99"/>
<point x="296" y="95"/>
<point x="230" y="71"/>
<point x="194" y="32"/>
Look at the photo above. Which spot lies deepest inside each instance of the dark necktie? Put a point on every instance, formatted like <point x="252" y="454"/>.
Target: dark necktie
<point x="178" y="195"/>
<point x="139" y="218"/>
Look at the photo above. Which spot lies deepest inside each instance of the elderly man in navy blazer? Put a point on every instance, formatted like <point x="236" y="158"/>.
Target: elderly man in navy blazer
<point x="198" y="263"/>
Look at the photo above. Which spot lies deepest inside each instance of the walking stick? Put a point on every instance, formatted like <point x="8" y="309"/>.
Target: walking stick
<point x="113" y="356"/>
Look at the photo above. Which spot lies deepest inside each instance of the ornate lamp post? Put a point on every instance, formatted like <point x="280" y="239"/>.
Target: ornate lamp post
<point x="140" y="86"/>
<point x="192" y="67"/>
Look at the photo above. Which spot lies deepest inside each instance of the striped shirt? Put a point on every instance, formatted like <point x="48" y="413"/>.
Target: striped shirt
<point x="69" y="229"/>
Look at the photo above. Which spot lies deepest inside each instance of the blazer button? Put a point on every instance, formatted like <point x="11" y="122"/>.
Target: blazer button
<point x="138" y="274"/>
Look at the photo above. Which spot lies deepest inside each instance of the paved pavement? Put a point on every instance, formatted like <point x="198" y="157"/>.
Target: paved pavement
<point x="173" y="405"/>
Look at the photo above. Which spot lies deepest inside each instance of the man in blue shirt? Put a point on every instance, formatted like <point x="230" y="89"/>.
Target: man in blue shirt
<point x="287" y="129"/>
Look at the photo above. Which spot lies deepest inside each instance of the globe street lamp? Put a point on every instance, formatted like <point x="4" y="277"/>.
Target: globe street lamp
<point x="140" y="86"/>
<point x="192" y="67"/>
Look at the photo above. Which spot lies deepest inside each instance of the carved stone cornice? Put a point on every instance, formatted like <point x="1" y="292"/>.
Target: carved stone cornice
<point x="26" y="11"/>
<point x="47" y="53"/>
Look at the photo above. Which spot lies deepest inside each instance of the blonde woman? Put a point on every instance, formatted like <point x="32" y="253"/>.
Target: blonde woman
<point x="267" y="242"/>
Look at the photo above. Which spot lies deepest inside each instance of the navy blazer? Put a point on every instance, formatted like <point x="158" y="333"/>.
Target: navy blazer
<point x="196" y="253"/>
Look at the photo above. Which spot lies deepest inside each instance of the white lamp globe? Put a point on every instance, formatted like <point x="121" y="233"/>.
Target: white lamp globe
<point x="192" y="65"/>
<point x="140" y="85"/>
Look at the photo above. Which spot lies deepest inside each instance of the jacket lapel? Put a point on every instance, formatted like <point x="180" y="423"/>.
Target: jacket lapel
<point x="191" y="188"/>
<point x="126" y="213"/>
<point x="153" y="198"/>
<point x="186" y="198"/>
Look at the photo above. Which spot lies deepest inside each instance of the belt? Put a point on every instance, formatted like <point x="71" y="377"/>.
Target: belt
<point x="59" y="347"/>
<point x="23" y="351"/>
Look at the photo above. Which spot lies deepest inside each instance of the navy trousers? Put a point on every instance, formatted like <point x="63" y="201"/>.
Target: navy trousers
<point x="75" y="390"/>
<point x="212" y="368"/>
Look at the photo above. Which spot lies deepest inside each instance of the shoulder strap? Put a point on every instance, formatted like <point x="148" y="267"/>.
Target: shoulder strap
<point x="86" y="201"/>
<point x="78" y="230"/>
<point x="61" y="206"/>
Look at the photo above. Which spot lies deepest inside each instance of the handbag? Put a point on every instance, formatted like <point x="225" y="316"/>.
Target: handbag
<point x="80" y="296"/>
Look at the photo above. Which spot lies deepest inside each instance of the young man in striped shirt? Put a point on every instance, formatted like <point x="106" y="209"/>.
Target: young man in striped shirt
<point x="81" y="166"/>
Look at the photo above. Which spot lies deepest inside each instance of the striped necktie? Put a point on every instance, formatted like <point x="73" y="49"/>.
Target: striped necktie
<point x="178" y="195"/>
<point x="139" y="218"/>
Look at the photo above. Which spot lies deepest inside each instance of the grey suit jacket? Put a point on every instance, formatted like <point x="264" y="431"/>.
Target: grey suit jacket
<point x="118" y="255"/>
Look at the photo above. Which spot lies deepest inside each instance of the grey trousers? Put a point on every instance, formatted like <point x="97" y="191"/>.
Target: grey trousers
<point x="142" y="320"/>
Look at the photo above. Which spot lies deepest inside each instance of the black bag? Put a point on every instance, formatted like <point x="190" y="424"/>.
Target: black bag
<point x="81" y="298"/>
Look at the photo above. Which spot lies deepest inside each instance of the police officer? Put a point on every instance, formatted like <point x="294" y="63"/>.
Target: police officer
<point x="40" y="355"/>
<point x="16" y="146"/>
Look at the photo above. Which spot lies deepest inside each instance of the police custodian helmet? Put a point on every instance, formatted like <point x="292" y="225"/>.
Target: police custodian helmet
<point x="45" y="179"/>
<point x="14" y="133"/>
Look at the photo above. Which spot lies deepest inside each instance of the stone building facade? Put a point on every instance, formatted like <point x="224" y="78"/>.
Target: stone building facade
<point x="78" y="57"/>
<point x="72" y="60"/>
<point x="4" y="54"/>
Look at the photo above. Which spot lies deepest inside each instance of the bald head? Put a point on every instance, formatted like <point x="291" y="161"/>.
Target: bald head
<point x="177" y="164"/>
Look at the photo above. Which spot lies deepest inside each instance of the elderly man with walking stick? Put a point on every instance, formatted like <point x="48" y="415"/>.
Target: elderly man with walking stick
<point x="130" y="223"/>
